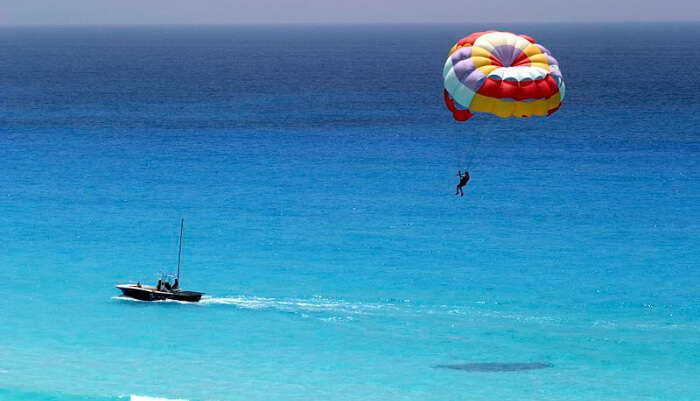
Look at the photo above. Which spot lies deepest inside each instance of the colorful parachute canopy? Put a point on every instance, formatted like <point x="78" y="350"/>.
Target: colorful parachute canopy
<point x="501" y="73"/>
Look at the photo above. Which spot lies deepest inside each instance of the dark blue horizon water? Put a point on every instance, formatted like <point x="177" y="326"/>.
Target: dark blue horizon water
<point x="315" y="168"/>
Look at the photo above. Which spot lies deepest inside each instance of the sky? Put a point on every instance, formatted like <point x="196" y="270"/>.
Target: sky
<point x="25" y="12"/>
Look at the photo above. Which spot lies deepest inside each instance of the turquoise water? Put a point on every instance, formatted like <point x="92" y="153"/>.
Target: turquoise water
<point x="315" y="169"/>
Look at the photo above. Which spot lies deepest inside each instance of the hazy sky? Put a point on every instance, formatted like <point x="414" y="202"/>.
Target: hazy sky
<point x="18" y="12"/>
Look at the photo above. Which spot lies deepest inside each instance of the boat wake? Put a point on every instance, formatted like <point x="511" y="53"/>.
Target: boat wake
<point x="330" y="309"/>
<point x="325" y="308"/>
<point x="496" y="366"/>
<point x="304" y="305"/>
<point x="323" y="305"/>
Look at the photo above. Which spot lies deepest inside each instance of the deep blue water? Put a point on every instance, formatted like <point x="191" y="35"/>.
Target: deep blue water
<point x="315" y="169"/>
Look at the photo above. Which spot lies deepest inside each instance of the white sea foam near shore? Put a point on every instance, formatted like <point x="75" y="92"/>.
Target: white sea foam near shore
<point x="147" y="398"/>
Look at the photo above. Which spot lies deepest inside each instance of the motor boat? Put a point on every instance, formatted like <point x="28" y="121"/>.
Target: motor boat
<point x="163" y="289"/>
<point x="152" y="293"/>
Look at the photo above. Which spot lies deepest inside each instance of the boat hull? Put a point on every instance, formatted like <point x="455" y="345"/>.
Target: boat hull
<point x="187" y="296"/>
<point x="148" y="293"/>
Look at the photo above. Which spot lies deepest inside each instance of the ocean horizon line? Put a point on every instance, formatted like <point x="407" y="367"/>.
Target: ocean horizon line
<point x="352" y="23"/>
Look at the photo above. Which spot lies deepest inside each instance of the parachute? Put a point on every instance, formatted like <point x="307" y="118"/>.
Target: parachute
<point x="501" y="73"/>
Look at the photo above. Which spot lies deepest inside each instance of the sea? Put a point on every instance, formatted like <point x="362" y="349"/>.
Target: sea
<point x="315" y="169"/>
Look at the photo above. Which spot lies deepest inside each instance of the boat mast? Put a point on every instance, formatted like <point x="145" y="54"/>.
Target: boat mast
<point x="179" y="251"/>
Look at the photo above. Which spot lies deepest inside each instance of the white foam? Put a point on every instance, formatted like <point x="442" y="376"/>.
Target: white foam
<point x="337" y="310"/>
<point x="146" y="398"/>
<point x="127" y="299"/>
<point x="302" y="305"/>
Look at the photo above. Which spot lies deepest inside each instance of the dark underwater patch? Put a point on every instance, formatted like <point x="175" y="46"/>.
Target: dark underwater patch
<point x="495" y="366"/>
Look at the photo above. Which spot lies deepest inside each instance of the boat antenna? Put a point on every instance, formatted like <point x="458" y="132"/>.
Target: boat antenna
<point x="179" y="251"/>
